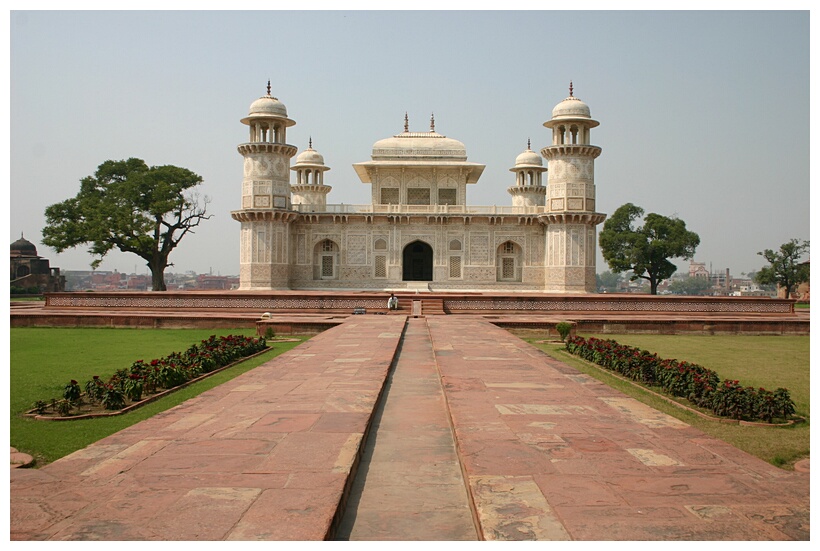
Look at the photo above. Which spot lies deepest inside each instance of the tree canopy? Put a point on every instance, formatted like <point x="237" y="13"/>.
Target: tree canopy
<point x="784" y="268"/>
<point x="645" y="249"/>
<point x="129" y="206"/>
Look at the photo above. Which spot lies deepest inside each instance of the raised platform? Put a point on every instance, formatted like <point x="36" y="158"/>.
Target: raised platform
<point x="316" y="311"/>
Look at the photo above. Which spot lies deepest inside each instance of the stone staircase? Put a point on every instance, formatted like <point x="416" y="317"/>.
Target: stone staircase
<point x="429" y="306"/>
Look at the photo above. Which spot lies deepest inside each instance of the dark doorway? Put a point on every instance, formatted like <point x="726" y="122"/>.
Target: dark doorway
<point x="417" y="262"/>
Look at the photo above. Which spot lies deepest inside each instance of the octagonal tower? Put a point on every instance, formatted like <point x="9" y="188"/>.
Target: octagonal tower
<point x="529" y="190"/>
<point x="570" y="202"/>
<point x="265" y="214"/>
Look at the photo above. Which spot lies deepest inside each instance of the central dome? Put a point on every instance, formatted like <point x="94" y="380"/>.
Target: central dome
<point x="419" y="145"/>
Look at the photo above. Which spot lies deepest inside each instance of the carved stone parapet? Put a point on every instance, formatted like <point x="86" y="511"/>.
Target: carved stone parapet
<point x="556" y="151"/>
<point x="262" y="147"/>
<point x="312" y="188"/>
<point x="520" y="190"/>
<point x="249" y="215"/>
<point x="588" y="218"/>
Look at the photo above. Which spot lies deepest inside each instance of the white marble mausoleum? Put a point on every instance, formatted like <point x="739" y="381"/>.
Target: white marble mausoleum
<point x="419" y="231"/>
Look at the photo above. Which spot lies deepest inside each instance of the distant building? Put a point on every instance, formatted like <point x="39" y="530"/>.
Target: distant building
<point x="29" y="270"/>
<point x="698" y="269"/>
<point x="209" y="282"/>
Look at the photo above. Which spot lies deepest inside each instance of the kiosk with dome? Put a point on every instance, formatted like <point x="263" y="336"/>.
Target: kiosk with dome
<point x="418" y="229"/>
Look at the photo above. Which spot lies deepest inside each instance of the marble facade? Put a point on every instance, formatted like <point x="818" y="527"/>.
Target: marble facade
<point x="419" y="230"/>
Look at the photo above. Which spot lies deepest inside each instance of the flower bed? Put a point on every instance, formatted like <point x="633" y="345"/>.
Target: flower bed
<point x="701" y="386"/>
<point x="144" y="380"/>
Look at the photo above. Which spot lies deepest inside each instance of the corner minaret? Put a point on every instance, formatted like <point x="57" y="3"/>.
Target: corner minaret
<point x="529" y="190"/>
<point x="265" y="214"/>
<point x="310" y="189"/>
<point x="570" y="201"/>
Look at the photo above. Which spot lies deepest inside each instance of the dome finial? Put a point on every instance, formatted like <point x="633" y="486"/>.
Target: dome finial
<point x="406" y="123"/>
<point x="268" y="86"/>
<point x="432" y="122"/>
<point x="570" y="88"/>
<point x="528" y="144"/>
<point x="310" y="142"/>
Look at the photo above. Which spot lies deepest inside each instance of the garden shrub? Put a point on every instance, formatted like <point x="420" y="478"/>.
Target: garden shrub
<point x="701" y="386"/>
<point x="563" y="328"/>
<point x="164" y="373"/>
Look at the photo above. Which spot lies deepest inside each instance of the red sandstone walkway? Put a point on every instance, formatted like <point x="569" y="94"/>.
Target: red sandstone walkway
<point x="550" y="453"/>
<point x="265" y="456"/>
<point x="547" y="453"/>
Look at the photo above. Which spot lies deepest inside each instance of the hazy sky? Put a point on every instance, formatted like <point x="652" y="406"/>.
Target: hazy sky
<point x="704" y="114"/>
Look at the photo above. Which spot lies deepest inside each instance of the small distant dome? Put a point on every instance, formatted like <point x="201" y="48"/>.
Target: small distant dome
<point x="309" y="157"/>
<point x="24" y="247"/>
<point x="528" y="158"/>
<point x="267" y="105"/>
<point x="571" y="108"/>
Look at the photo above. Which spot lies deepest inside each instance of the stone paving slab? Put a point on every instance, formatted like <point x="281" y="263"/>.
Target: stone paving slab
<point x="551" y="454"/>
<point x="266" y="456"/>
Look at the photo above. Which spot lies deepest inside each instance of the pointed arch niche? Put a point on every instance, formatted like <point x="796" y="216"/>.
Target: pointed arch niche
<point x="417" y="262"/>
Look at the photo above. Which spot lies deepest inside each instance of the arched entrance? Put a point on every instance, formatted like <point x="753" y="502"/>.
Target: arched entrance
<point x="417" y="262"/>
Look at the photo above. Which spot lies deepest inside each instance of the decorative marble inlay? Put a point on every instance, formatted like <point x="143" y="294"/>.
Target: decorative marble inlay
<point x="479" y="249"/>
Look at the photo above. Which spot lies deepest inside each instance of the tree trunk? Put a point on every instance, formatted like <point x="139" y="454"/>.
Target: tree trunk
<point x="653" y="286"/>
<point x="157" y="267"/>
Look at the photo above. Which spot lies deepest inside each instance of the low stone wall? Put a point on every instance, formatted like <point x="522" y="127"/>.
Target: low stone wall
<point x="133" y="321"/>
<point x="688" y="326"/>
<point x="454" y="303"/>
<point x="611" y="303"/>
<point x="310" y="312"/>
<point x="225" y="300"/>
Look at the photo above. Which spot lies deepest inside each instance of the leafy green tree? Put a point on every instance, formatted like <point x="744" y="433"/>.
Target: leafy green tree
<point x="784" y="268"/>
<point x="646" y="249"/>
<point x="129" y="206"/>
<point x="690" y="286"/>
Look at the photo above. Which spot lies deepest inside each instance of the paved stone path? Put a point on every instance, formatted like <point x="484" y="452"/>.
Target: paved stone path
<point x="545" y="452"/>
<point x="409" y="485"/>
<point x="265" y="456"/>
<point x="551" y="453"/>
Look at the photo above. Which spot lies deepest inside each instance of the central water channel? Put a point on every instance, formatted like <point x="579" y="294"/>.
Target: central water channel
<point x="409" y="484"/>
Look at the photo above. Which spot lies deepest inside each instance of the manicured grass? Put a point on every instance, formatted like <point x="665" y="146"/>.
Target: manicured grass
<point x="767" y="361"/>
<point x="44" y="360"/>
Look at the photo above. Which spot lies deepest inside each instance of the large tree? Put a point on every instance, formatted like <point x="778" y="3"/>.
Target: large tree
<point x="784" y="268"/>
<point x="645" y="249"/>
<point x="129" y="206"/>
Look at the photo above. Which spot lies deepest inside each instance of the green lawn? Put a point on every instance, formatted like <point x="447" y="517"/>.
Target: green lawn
<point x="44" y="360"/>
<point x="767" y="361"/>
